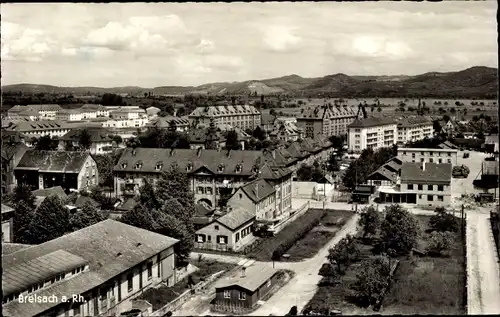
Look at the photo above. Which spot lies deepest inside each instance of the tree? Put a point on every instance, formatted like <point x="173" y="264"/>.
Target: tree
<point x="399" y="230"/>
<point x="105" y="166"/>
<point x="446" y="118"/>
<point x="439" y="243"/>
<point x="372" y="280"/>
<point x="333" y="164"/>
<point x="46" y="143"/>
<point x="344" y="253"/>
<point x="452" y="110"/>
<point x="437" y="126"/>
<point x="23" y="215"/>
<point x="212" y="136"/>
<point x="111" y="100"/>
<point x="133" y="142"/>
<point x="232" y="142"/>
<point x="444" y="221"/>
<point x="379" y="109"/>
<point x="259" y="133"/>
<point x="369" y="221"/>
<point x="85" y="139"/>
<point x="50" y="221"/>
<point x="84" y="217"/>
<point x="23" y="193"/>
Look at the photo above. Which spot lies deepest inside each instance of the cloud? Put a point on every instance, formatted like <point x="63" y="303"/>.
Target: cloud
<point x="205" y="46"/>
<point x="29" y="45"/>
<point x="281" y="39"/>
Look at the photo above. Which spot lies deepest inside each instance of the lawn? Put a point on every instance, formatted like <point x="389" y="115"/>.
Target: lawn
<point x="159" y="297"/>
<point x="421" y="285"/>
<point x="320" y="235"/>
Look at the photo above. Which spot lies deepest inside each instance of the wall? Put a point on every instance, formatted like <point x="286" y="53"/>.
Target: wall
<point x="245" y="238"/>
<point x="241" y="200"/>
<point x="88" y="175"/>
<point x="7" y="227"/>
<point x="421" y="155"/>
<point x="310" y="190"/>
<point x="424" y="192"/>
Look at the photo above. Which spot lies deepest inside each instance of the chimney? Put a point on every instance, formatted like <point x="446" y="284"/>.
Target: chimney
<point x="198" y="151"/>
<point x="175" y="112"/>
<point x="257" y="190"/>
<point x="243" y="269"/>
<point x="274" y="153"/>
<point x="423" y="166"/>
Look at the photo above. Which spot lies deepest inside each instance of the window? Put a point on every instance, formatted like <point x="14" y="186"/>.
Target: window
<point x="227" y="294"/>
<point x="440" y="198"/>
<point x="410" y="186"/>
<point x="243" y="296"/>
<point x="422" y="160"/>
<point x="430" y="198"/>
<point x="430" y="187"/>
<point x="440" y="188"/>
<point x="449" y="161"/>
<point x="209" y="238"/>
<point x="431" y="153"/>
<point x="241" y="196"/>
<point x="269" y="283"/>
<point x="449" y="154"/>
<point x="404" y="152"/>
<point x="420" y="187"/>
<point x="431" y="160"/>
<point x="413" y="155"/>
<point x="150" y="270"/>
<point x="222" y="240"/>
<point x="237" y="237"/>
<point x="421" y="153"/>
<point x="216" y="227"/>
<point x="419" y="196"/>
<point x="130" y="282"/>
<point x="440" y="161"/>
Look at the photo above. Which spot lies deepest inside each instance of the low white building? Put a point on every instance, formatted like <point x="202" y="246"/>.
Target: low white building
<point x="371" y="133"/>
<point x="126" y="123"/>
<point x="36" y="129"/>
<point x="421" y="155"/>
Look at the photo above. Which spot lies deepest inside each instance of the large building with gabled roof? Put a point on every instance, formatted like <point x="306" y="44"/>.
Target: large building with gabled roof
<point x="240" y="116"/>
<point x="325" y="120"/>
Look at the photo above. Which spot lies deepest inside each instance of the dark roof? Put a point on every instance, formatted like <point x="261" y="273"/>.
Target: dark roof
<point x="371" y="122"/>
<point x="236" y="218"/>
<point x="40" y="125"/>
<point x="393" y="166"/>
<point x="10" y="151"/>
<point x="53" y="161"/>
<point x="255" y="276"/>
<point x="202" y="211"/>
<point x="82" y="200"/>
<point x="52" y="191"/>
<point x="8" y="248"/>
<point x="280" y="156"/>
<point x="216" y="111"/>
<point x="96" y="134"/>
<point x="164" y="122"/>
<point x="389" y="175"/>
<point x="111" y="247"/>
<point x="128" y="204"/>
<point x="6" y="209"/>
<point x="414" y="121"/>
<point x="447" y="145"/>
<point x="258" y="189"/>
<point x="414" y="172"/>
<point x="199" y="135"/>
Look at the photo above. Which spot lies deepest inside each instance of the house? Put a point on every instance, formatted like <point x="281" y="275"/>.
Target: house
<point x="213" y="174"/>
<point x="387" y="174"/>
<point x="230" y="232"/>
<point x="421" y="155"/>
<point x="202" y="216"/>
<point x="258" y="197"/>
<point x="198" y="138"/>
<point x="101" y="141"/>
<point x="70" y="170"/>
<point x="103" y="267"/>
<point x="413" y="129"/>
<point x="36" y="129"/>
<point x="371" y="133"/>
<point x="7" y="224"/>
<point x="491" y="143"/>
<point x="424" y="184"/>
<point x="286" y="131"/>
<point x="181" y="123"/>
<point x="243" y="117"/>
<point x="69" y="115"/>
<point x="12" y="153"/>
<point x="152" y="112"/>
<point x="123" y="122"/>
<point x="41" y="194"/>
<point x="94" y="111"/>
<point x="325" y="120"/>
<point x="29" y="114"/>
<point x="127" y="113"/>
<point x="242" y="291"/>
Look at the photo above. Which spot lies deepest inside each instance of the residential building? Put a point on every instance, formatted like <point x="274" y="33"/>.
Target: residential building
<point x="491" y="143"/>
<point x="230" y="232"/>
<point x="121" y="122"/>
<point x="29" y="114"/>
<point x="258" y="197"/>
<point x="387" y="174"/>
<point x="243" y="117"/>
<point x="242" y="291"/>
<point x="36" y="129"/>
<point x="371" y="133"/>
<point x="152" y="112"/>
<point x="286" y="131"/>
<point x="12" y="153"/>
<point x="325" y="120"/>
<point x="46" y="112"/>
<point x="100" y="269"/>
<point x="181" y="123"/>
<point x="7" y="224"/>
<point x="414" y="129"/>
<point x="73" y="170"/>
<point x="101" y="141"/>
<point x="90" y="111"/>
<point x="198" y="138"/>
<point x="421" y="155"/>
<point x="213" y="174"/>
<point x="69" y="115"/>
<point x="424" y="184"/>
<point x="127" y="113"/>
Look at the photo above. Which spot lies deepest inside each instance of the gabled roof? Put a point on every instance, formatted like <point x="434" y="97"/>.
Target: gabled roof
<point x="164" y="122"/>
<point x="297" y="151"/>
<point x="40" y="125"/>
<point x="97" y="134"/>
<point x="217" y="111"/>
<point x="414" y="122"/>
<point x="371" y="122"/>
<point x="6" y="209"/>
<point x="255" y="276"/>
<point x="236" y="218"/>
<point x="431" y="173"/>
<point x="8" y="248"/>
<point x="53" y="161"/>
<point x="14" y="150"/>
<point x="199" y="135"/>
<point x="258" y="190"/>
<point x="52" y="191"/>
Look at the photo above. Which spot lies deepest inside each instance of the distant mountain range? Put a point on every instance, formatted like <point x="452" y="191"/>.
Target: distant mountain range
<point x="474" y="82"/>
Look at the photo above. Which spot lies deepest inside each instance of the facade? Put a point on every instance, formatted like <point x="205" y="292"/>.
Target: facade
<point x="286" y="131"/>
<point x="73" y="170"/>
<point x="11" y="155"/>
<point x="69" y="115"/>
<point x="230" y="232"/>
<point x="414" y="129"/>
<point x="371" y="133"/>
<point x="421" y="155"/>
<point x="125" y="123"/>
<point x="100" y="138"/>
<point x="243" y="117"/>
<point x="45" y="112"/>
<point x="242" y="291"/>
<point x="387" y="174"/>
<point x="90" y="265"/>
<point x="7" y="224"/>
<point x="36" y="129"/>
<point x="258" y="197"/>
<point x="423" y="184"/>
<point x="325" y="120"/>
<point x="126" y="113"/>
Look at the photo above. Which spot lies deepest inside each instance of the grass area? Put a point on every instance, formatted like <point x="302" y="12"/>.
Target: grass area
<point x="421" y="285"/>
<point x="161" y="296"/>
<point x="319" y="236"/>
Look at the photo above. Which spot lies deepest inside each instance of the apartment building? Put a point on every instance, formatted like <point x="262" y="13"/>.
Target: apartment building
<point x="35" y="129"/>
<point x="414" y="129"/>
<point x="72" y="170"/>
<point x="371" y="133"/>
<point x="214" y="174"/>
<point x="127" y="113"/>
<point x="121" y="122"/>
<point x="243" y="117"/>
<point x="97" y="275"/>
<point x="100" y="139"/>
<point x="424" y="184"/>
<point x="69" y="115"/>
<point x="421" y="155"/>
<point x="45" y="112"/>
<point x="325" y="120"/>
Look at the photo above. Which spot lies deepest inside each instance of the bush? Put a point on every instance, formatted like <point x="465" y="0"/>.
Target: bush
<point x="372" y="280"/>
<point x="439" y="243"/>
<point x="344" y="253"/>
<point x="444" y="221"/>
<point x="369" y="221"/>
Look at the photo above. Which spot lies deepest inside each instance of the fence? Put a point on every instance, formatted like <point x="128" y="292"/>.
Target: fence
<point x="300" y="211"/>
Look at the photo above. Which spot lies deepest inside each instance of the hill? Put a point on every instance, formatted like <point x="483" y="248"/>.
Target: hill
<point x="474" y="82"/>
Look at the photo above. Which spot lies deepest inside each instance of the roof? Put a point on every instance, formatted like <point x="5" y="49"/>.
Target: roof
<point x="255" y="276"/>
<point x="153" y="109"/>
<point x="318" y="112"/>
<point x="111" y="247"/>
<point x="19" y="108"/>
<point x="257" y="190"/>
<point x="447" y="145"/>
<point x="236" y="218"/>
<point x="41" y="125"/>
<point x="6" y="209"/>
<point x="414" y="121"/>
<point x="219" y="111"/>
<point x="199" y="135"/>
<point x="267" y="118"/>
<point x="128" y="204"/>
<point x="392" y="176"/>
<point x="164" y="122"/>
<point x="90" y="106"/>
<point x="491" y="139"/>
<point x="8" y="248"/>
<point x="96" y="134"/>
<point x="446" y="150"/>
<point x="201" y="210"/>
<point x="52" y="191"/>
<point x="289" y="128"/>
<point x="18" y="278"/>
<point x="490" y="168"/>
<point x="82" y="200"/>
<point x="13" y="151"/>
<point x="371" y="122"/>
<point x="53" y="161"/>
<point x="414" y="172"/>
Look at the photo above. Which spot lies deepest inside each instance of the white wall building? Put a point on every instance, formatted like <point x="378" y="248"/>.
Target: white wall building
<point x="371" y="133"/>
<point x="421" y="155"/>
<point x="414" y="129"/>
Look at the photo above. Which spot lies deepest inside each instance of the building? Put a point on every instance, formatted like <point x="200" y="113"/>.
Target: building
<point x="7" y="224"/>
<point x="424" y="184"/>
<point x="414" y="129"/>
<point x="127" y="113"/>
<point x="325" y="120"/>
<point x="29" y="114"/>
<point x="121" y="122"/>
<point x="371" y="133"/>
<point x="230" y="232"/>
<point x="46" y="112"/>
<point x="181" y="123"/>
<point x="90" y="111"/>
<point x="387" y="174"/>
<point x="243" y="117"/>
<point x="491" y="143"/>
<point x="421" y="155"/>
<point x="258" y="197"/>
<point x="70" y="170"/>
<point x="36" y="129"/>
<point x="152" y="112"/>
<point x="198" y="138"/>
<point x="101" y="141"/>
<point x="214" y="175"/>
<point x="69" y="115"/>
<point x="41" y="194"/>
<point x="242" y="291"/>
<point x="12" y="153"/>
<point x="286" y="131"/>
<point x="107" y="264"/>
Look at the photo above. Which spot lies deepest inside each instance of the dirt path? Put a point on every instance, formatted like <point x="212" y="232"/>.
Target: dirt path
<point x="483" y="293"/>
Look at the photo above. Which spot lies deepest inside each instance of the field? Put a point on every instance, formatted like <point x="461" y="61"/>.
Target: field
<point x="421" y="285"/>
<point x="319" y="236"/>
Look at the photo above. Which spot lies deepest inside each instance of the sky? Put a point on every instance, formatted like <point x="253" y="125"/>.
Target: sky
<point x="184" y="44"/>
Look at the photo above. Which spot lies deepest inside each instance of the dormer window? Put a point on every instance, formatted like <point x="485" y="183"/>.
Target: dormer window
<point x="138" y="165"/>
<point x="189" y="167"/>
<point x="124" y="165"/>
<point x="238" y="168"/>
<point x="220" y="168"/>
<point x="159" y="166"/>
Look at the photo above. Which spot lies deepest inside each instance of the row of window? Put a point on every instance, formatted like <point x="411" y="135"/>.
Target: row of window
<point x="431" y="197"/>
<point x="431" y="160"/>
<point x="130" y="277"/>
<point x="244" y="233"/>
<point x="430" y="154"/>
<point x="204" y="190"/>
<point x="440" y="188"/>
